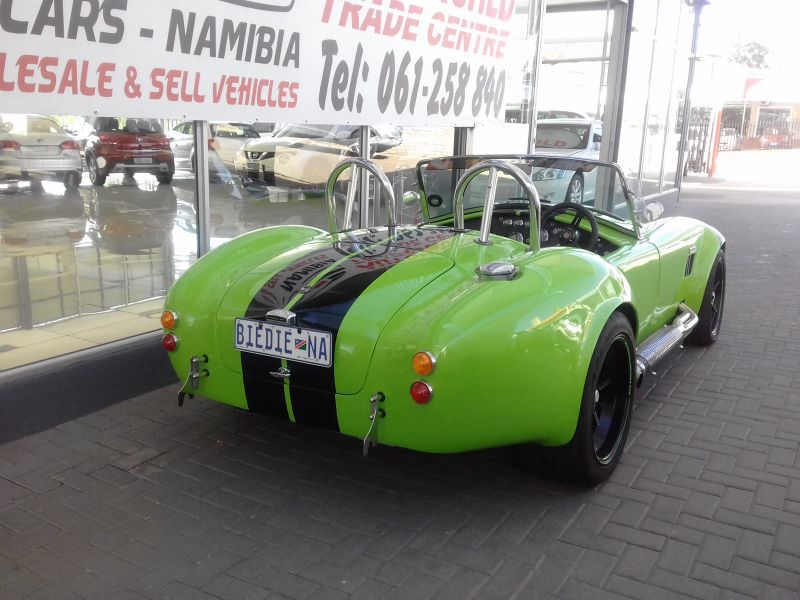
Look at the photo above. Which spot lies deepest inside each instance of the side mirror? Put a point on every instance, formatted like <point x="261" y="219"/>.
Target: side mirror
<point x="654" y="210"/>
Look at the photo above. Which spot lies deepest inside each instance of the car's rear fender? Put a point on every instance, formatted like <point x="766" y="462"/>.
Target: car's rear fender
<point x="197" y="295"/>
<point x="512" y="356"/>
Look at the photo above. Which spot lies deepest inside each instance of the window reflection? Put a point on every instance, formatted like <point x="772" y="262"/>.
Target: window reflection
<point x="95" y="225"/>
<point x="281" y="178"/>
<point x="35" y="148"/>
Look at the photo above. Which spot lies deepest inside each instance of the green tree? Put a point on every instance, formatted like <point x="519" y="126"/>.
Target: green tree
<point x="751" y="54"/>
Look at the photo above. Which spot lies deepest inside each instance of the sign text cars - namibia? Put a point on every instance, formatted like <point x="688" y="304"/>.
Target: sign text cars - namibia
<point x="335" y="61"/>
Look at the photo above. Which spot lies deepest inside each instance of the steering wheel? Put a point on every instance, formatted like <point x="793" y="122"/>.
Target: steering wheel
<point x="556" y="233"/>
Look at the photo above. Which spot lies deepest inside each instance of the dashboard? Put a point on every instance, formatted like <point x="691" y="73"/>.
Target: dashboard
<point x="514" y="224"/>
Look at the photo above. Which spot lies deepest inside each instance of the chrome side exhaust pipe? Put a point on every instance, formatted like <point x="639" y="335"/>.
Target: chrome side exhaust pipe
<point x="653" y="350"/>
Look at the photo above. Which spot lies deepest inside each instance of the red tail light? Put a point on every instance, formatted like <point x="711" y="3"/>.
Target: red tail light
<point x="163" y="144"/>
<point x="169" y="343"/>
<point x="105" y="138"/>
<point x="9" y="145"/>
<point x="211" y="143"/>
<point x="421" y="392"/>
<point x="70" y="145"/>
<point x="75" y="236"/>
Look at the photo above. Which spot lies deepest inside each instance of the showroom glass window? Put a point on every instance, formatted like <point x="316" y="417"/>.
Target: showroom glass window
<point x="95" y="225"/>
<point x="264" y="179"/>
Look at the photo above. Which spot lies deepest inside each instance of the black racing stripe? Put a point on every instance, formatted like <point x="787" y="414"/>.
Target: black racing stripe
<point x="263" y="396"/>
<point x="280" y="289"/>
<point x="313" y="388"/>
<point x="323" y="307"/>
<point x="263" y="392"/>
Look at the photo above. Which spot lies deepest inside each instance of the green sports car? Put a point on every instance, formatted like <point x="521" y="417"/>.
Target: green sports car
<point x="497" y="320"/>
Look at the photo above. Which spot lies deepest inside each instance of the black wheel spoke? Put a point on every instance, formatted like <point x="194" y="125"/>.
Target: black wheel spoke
<point x="603" y="385"/>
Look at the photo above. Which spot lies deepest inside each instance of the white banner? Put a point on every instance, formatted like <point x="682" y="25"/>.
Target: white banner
<point x="447" y="62"/>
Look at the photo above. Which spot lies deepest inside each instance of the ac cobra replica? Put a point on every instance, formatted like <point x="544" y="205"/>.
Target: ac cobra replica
<point x="506" y="317"/>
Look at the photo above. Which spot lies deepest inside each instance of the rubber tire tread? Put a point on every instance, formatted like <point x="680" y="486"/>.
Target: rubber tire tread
<point x="702" y="335"/>
<point x="569" y="188"/>
<point x="100" y="177"/>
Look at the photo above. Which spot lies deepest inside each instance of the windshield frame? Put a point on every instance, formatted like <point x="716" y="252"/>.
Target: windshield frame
<point x="548" y="161"/>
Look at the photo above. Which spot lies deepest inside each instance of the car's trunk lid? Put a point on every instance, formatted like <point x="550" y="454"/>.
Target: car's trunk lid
<point x="133" y="142"/>
<point x="38" y="145"/>
<point x="346" y="291"/>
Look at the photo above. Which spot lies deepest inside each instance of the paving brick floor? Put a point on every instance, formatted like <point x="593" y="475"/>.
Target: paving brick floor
<point x="143" y="500"/>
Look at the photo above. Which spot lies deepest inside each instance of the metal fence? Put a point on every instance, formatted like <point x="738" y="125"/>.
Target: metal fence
<point x="697" y="135"/>
<point x="765" y="132"/>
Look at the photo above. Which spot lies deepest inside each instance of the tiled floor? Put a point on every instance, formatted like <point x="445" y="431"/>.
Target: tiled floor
<point x="144" y="500"/>
<point x="23" y="347"/>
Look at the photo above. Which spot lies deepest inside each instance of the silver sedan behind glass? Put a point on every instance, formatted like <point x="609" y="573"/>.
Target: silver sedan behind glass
<point x="35" y="148"/>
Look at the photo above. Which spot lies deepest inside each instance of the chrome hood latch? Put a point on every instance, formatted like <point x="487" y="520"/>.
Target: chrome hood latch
<point x="375" y="413"/>
<point x="193" y="380"/>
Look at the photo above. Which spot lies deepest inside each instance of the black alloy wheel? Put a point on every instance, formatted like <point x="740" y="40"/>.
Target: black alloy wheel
<point x="611" y="401"/>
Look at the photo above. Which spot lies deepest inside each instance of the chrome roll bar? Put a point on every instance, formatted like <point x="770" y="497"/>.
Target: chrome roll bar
<point x="493" y="166"/>
<point x="357" y="164"/>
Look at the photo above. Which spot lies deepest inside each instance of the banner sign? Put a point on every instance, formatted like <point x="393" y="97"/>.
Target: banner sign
<point x="420" y="62"/>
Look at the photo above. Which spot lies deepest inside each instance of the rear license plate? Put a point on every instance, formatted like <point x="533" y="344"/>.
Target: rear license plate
<point x="41" y="150"/>
<point x="280" y="341"/>
<point x="253" y="166"/>
<point x="143" y="161"/>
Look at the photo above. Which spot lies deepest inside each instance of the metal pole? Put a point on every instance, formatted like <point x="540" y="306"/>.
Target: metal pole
<point x="535" y="20"/>
<point x="687" y="104"/>
<point x="367" y="218"/>
<point x="643" y="145"/>
<point x="617" y="80"/>
<point x="202" y="188"/>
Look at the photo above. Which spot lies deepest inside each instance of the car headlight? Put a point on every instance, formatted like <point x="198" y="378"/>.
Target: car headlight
<point x="548" y="174"/>
<point x="253" y="155"/>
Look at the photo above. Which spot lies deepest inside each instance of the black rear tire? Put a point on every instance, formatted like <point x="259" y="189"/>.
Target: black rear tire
<point x="164" y="177"/>
<point x="71" y="179"/>
<point x="709" y="322"/>
<point x="575" y="189"/>
<point x="605" y="413"/>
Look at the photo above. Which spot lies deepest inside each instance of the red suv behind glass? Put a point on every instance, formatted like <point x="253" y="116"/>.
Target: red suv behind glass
<point x="128" y="146"/>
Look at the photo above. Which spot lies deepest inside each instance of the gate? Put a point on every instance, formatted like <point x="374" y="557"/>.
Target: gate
<point x="772" y="131"/>
<point x="697" y="141"/>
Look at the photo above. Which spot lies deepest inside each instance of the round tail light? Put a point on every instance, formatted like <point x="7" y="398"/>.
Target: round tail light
<point x="169" y="319"/>
<point x="169" y="343"/>
<point x="421" y="392"/>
